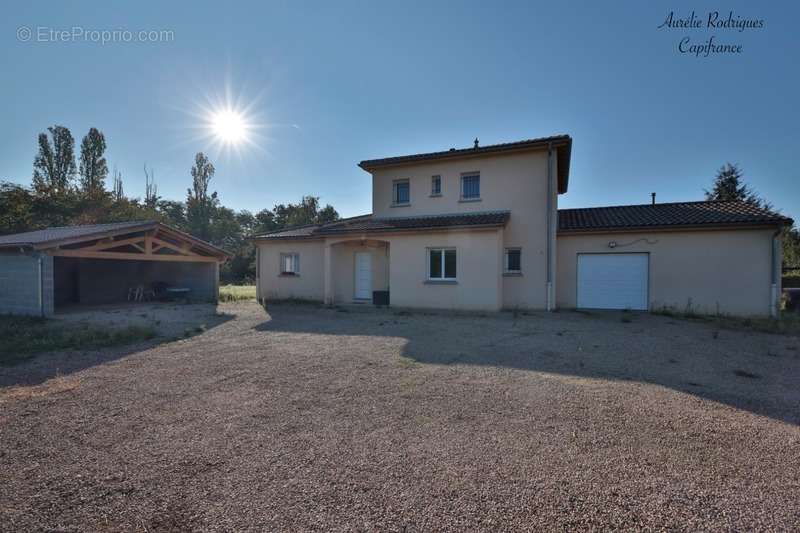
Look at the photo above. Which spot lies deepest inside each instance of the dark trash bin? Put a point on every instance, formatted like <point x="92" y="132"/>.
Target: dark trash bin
<point x="380" y="297"/>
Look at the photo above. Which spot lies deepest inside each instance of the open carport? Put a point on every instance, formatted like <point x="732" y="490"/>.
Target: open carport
<point x="47" y="270"/>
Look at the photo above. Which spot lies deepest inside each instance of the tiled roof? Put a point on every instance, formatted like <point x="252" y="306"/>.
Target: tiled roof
<point x="680" y="214"/>
<point x="44" y="236"/>
<point x="368" y="223"/>
<point x="562" y="144"/>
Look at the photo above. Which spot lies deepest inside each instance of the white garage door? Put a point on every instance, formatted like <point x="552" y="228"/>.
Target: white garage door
<point x="612" y="281"/>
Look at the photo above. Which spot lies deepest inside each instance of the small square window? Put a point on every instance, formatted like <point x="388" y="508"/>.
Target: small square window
<point x="471" y="187"/>
<point x="513" y="260"/>
<point x="401" y="192"/>
<point x="290" y="264"/>
<point x="442" y="264"/>
<point x="436" y="186"/>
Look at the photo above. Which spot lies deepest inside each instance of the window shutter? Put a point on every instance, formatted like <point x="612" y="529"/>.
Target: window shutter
<point x="296" y="263"/>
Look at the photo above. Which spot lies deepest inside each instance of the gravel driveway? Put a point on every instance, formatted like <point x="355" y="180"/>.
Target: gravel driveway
<point x="318" y="419"/>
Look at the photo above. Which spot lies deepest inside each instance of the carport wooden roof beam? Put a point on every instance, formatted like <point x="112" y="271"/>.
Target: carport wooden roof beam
<point x="147" y="246"/>
<point x="139" y="241"/>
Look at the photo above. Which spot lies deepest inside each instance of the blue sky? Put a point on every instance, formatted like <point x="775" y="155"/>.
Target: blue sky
<point x="333" y="83"/>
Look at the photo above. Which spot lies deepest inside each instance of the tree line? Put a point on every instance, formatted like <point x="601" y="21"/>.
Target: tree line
<point x="65" y="192"/>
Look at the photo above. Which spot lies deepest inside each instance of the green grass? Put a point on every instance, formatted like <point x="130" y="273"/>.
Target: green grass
<point x="237" y="293"/>
<point x="23" y="337"/>
<point x="786" y="324"/>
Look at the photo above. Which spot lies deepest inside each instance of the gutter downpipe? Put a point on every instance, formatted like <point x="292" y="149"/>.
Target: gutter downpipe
<point x="549" y="246"/>
<point x="774" y="303"/>
<point x="41" y="287"/>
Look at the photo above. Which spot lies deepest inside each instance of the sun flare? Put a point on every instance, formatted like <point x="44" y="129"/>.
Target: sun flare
<point x="229" y="126"/>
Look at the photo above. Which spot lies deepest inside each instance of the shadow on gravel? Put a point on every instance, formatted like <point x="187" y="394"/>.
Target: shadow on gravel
<point x="43" y="366"/>
<point x="751" y="371"/>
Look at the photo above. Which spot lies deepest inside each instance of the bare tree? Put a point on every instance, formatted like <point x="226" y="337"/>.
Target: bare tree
<point x="117" y="193"/>
<point x="151" y="197"/>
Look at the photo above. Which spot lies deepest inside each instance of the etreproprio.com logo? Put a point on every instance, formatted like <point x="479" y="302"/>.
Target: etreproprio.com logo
<point x="79" y="34"/>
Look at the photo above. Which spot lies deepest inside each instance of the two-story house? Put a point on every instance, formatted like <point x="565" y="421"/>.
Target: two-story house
<point x="479" y="228"/>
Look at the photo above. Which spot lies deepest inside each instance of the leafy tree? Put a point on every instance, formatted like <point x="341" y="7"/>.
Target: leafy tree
<point x="174" y="212"/>
<point x="791" y="247"/>
<point x="327" y="214"/>
<point x="264" y="222"/>
<point x="54" y="165"/>
<point x="199" y="204"/>
<point x="16" y="208"/>
<point x="93" y="167"/>
<point x="305" y="212"/>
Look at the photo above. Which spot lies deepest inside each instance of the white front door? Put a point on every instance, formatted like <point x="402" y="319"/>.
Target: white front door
<point x="363" y="290"/>
<point x="612" y="281"/>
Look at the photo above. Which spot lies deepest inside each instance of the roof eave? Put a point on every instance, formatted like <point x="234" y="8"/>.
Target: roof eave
<point x="320" y="236"/>
<point x="468" y="153"/>
<point x="223" y="255"/>
<point x="92" y="236"/>
<point x="674" y="227"/>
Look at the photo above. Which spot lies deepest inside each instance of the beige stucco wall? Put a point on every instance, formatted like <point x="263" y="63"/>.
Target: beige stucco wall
<point x="478" y="264"/>
<point x="729" y="270"/>
<point x="343" y="264"/>
<point x="478" y="269"/>
<point x="514" y="182"/>
<point x="309" y="285"/>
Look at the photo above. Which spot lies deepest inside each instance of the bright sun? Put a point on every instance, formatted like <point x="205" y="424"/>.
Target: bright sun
<point x="229" y="126"/>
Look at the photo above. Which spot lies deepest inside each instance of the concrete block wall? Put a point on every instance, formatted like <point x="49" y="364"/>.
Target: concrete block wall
<point x="20" y="285"/>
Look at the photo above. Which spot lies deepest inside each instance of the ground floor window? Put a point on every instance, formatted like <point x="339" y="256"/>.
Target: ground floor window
<point x="442" y="264"/>
<point x="290" y="264"/>
<point x="513" y="260"/>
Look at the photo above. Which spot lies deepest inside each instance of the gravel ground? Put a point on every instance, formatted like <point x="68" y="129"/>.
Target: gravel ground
<point x="316" y="419"/>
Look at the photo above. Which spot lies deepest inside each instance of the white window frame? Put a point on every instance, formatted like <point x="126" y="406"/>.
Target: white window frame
<point x="470" y="175"/>
<point x="505" y="260"/>
<point x="294" y="258"/>
<point x="434" y="179"/>
<point x="441" y="252"/>
<point x="395" y="183"/>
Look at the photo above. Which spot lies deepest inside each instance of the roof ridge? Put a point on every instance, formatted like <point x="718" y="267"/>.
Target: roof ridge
<point x="441" y="215"/>
<point x="343" y="220"/>
<point x="559" y="136"/>
<point x="301" y="226"/>
<point x="689" y="202"/>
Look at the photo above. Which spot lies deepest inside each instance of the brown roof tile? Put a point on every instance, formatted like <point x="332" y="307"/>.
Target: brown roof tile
<point x="368" y="223"/>
<point x="666" y="215"/>
<point x="562" y="143"/>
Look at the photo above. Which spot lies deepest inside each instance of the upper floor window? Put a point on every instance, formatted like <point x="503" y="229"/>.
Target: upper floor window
<point x="290" y="264"/>
<point x="401" y="192"/>
<point x="436" y="186"/>
<point x="471" y="186"/>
